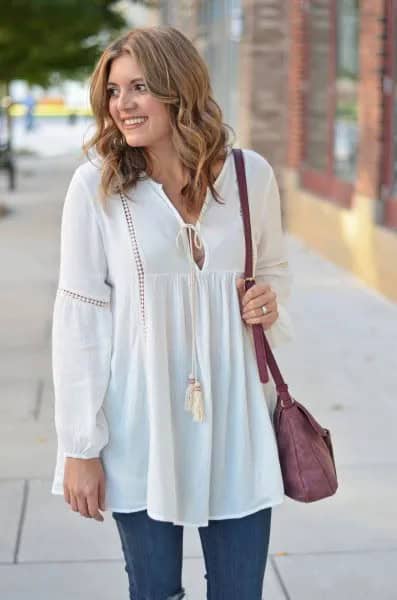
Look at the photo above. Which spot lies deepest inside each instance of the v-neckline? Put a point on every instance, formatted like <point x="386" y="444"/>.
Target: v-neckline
<point x="158" y="187"/>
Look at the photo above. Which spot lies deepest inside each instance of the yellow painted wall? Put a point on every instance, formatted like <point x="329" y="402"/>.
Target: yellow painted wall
<point x="348" y="237"/>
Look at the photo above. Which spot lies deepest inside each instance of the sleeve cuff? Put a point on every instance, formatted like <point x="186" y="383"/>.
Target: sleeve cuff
<point x="84" y="444"/>
<point x="282" y="330"/>
<point x="86" y="456"/>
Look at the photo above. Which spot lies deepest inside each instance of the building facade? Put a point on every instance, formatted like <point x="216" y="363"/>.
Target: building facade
<point x="312" y="86"/>
<point x="244" y="45"/>
<point x="341" y="169"/>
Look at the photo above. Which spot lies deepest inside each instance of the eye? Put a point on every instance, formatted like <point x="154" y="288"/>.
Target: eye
<point x="141" y="87"/>
<point x="111" y="91"/>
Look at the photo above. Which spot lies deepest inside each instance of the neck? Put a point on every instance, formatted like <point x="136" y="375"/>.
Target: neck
<point x="167" y="167"/>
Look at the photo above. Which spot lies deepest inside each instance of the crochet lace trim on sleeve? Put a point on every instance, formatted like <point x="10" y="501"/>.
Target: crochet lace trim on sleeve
<point x="88" y="299"/>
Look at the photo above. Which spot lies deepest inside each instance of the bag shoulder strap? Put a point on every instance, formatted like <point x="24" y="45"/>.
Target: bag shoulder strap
<point x="264" y="353"/>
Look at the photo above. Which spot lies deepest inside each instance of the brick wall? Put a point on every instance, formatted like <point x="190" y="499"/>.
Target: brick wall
<point x="370" y="97"/>
<point x="369" y="93"/>
<point x="295" y="78"/>
<point x="349" y="235"/>
<point x="263" y="55"/>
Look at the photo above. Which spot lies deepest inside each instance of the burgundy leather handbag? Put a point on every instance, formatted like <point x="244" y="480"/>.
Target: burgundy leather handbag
<point x="305" y="448"/>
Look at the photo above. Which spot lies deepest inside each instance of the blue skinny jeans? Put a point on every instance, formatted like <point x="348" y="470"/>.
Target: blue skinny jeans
<point x="234" y="550"/>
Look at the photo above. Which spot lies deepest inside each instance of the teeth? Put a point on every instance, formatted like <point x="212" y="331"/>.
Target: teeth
<point x="135" y="120"/>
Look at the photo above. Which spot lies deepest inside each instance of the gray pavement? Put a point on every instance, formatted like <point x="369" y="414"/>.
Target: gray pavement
<point x="51" y="136"/>
<point x="341" y="365"/>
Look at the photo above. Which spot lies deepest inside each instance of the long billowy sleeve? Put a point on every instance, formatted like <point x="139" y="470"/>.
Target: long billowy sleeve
<point x="272" y="265"/>
<point x="81" y="328"/>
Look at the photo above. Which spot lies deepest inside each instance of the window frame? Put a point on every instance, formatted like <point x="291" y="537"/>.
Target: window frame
<point x="389" y="153"/>
<point x="323" y="183"/>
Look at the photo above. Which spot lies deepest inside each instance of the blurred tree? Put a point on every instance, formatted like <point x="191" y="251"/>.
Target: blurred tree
<point x="42" y="40"/>
<point x="45" y="41"/>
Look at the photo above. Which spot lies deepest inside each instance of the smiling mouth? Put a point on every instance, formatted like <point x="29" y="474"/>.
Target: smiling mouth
<point x="133" y="123"/>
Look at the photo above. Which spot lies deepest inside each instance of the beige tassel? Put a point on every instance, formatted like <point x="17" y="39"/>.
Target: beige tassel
<point x="198" y="404"/>
<point x="189" y="394"/>
<point x="194" y="400"/>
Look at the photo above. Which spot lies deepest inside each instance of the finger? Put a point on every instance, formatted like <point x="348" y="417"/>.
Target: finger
<point x="240" y="283"/>
<point x="266" y="298"/>
<point x="92" y="503"/>
<point x="73" y="503"/>
<point x="254" y="291"/>
<point x="66" y="494"/>
<point x="240" y="287"/>
<point x="241" y="291"/>
<point x="259" y="321"/>
<point x="265" y="324"/>
<point x="257" y="311"/>
<point x="265" y="320"/>
<point x="82" y="504"/>
<point x="102" y="494"/>
<point x="271" y="308"/>
<point x="256" y="314"/>
<point x="259" y="301"/>
<point x="255" y="303"/>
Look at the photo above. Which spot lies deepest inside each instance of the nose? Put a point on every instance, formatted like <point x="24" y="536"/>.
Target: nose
<point x="125" y="101"/>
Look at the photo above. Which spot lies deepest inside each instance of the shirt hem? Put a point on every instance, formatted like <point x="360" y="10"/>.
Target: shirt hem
<point x="270" y="503"/>
<point x="245" y="513"/>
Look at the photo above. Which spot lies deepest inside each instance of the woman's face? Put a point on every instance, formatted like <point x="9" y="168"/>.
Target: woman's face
<point x="140" y="117"/>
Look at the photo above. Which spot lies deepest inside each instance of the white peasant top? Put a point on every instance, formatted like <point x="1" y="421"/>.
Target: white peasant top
<point x="135" y="317"/>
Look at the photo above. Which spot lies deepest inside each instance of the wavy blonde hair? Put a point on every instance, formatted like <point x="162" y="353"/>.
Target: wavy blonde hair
<point x="176" y="75"/>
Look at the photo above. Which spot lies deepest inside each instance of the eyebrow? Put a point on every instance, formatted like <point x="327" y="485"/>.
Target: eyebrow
<point x="132" y="81"/>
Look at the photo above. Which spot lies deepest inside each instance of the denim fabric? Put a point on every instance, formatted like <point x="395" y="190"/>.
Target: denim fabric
<point x="234" y="550"/>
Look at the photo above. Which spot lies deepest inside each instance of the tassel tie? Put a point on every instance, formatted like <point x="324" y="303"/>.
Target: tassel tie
<point x="194" y="395"/>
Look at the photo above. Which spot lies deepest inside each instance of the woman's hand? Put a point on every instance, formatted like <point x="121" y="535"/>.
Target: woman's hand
<point x="251" y="301"/>
<point x="84" y="486"/>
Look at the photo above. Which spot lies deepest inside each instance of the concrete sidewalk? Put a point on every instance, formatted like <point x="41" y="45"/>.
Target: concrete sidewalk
<point x="342" y="365"/>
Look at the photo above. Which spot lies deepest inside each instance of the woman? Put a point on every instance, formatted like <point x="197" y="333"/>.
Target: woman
<point x="160" y="414"/>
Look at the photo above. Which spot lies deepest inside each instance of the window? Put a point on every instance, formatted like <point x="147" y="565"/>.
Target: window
<point x="394" y="127"/>
<point x="387" y="213"/>
<point x="346" y="87"/>
<point x="331" y="75"/>
<point x="318" y="38"/>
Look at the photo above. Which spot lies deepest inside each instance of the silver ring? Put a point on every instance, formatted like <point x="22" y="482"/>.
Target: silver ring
<point x="264" y="309"/>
